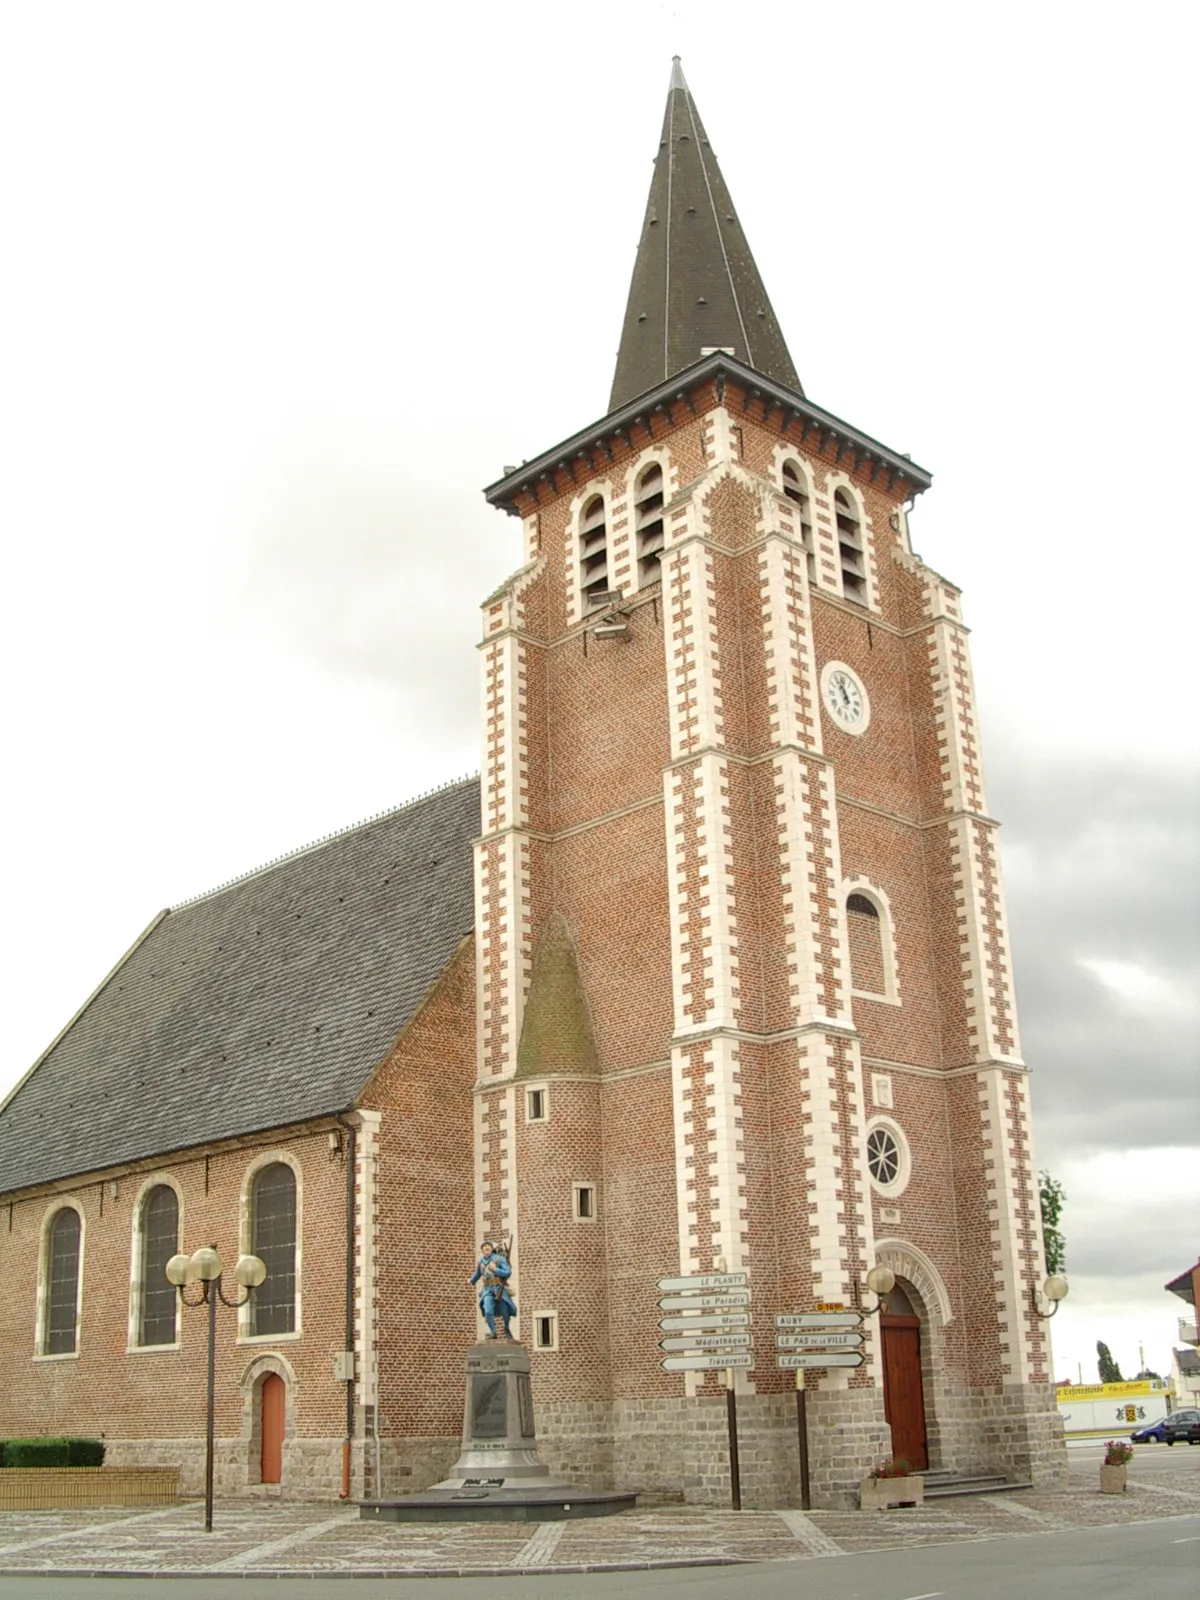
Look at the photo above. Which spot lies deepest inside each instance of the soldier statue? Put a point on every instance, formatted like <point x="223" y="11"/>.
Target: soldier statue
<point x="492" y="1273"/>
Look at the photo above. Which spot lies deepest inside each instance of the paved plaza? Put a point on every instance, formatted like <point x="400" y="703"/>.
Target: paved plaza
<point x="261" y="1537"/>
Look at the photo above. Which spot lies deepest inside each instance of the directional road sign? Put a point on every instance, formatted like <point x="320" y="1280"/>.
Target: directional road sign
<point x="707" y="1280"/>
<point x="706" y="1341"/>
<point x="820" y="1319"/>
<point x="790" y="1360"/>
<point x="818" y="1341"/>
<point x="706" y="1363"/>
<point x="720" y="1300"/>
<point x="715" y="1319"/>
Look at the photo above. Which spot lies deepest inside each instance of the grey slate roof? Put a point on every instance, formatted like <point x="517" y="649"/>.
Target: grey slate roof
<point x="270" y="1001"/>
<point x="695" y="283"/>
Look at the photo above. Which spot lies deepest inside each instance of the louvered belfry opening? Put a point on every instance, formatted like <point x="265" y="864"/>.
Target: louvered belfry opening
<point x="593" y="552"/>
<point x="850" y="548"/>
<point x="796" y="489"/>
<point x="648" y="516"/>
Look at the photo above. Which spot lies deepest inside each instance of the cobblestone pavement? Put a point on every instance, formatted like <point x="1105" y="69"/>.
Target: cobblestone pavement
<point x="278" y="1537"/>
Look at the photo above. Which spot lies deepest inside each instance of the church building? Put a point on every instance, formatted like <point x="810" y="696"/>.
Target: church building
<point x="709" y="971"/>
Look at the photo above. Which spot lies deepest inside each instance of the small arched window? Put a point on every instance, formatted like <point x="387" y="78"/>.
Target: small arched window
<point x="62" y="1284"/>
<point x="795" y="486"/>
<point x="865" y="931"/>
<point x="648" y="519"/>
<point x="273" y="1239"/>
<point x="160" y="1241"/>
<point x="850" y="548"/>
<point x="593" y="552"/>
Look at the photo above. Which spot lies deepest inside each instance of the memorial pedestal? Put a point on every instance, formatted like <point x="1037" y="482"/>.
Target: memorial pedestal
<point x="499" y="1475"/>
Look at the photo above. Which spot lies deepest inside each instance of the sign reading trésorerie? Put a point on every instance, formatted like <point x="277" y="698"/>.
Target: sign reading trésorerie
<point x="706" y="1363"/>
<point x="707" y="1280"/>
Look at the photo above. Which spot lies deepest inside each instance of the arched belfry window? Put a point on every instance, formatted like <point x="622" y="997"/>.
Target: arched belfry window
<point x="864" y="927"/>
<point x="273" y="1239"/>
<point x="593" y="552"/>
<point x="160" y="1241"/>
<point x="648" y="518"/>
<point x="60" y="1330"/>
<point x="850" y="547"/>
<point x="795" y="486"/>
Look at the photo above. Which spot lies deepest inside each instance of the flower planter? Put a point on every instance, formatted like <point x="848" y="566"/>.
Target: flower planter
<point x="1112" y="1480"/>
<point x="59" y="1488"/>
<point x="879" y="1494"/>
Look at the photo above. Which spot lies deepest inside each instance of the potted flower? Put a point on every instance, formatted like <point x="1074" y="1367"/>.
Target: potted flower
<point x="892" y="1482"/>
<point x="1112" y="1474"/>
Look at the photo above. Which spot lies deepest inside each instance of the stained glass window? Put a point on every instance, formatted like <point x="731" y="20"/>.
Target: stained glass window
<point x="63" y="1287"/>
<point x="883" y="1156"/>
<point x="160" y="1240"/>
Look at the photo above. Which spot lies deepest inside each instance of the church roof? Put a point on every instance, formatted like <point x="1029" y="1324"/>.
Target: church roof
<point x="695" y="284"/>
<point x="270" y="1001"/>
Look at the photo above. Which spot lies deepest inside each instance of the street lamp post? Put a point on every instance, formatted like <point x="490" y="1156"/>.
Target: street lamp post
<point x="204" y="1266"/>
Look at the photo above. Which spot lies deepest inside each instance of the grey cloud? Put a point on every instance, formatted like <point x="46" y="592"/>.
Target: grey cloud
<point x="1102" y="864"/>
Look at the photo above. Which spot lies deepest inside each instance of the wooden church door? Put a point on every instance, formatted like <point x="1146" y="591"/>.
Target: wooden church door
<point x="274" y="1406"/>
<point x="903" y="1389"/>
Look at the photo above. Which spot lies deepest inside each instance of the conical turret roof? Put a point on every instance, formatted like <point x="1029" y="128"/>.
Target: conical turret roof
<point x="695" y="283"/>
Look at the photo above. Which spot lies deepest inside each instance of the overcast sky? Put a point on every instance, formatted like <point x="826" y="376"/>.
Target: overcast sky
<point x="285" y="285"/>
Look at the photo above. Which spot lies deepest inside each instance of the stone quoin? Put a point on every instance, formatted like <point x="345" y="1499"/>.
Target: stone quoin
<point x="708" y="972"/>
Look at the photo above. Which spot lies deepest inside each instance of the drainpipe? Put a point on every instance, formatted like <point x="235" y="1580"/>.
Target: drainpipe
<point x="351" y="1155"/>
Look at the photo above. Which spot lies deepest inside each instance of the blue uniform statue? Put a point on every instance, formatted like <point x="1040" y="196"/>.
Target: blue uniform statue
<point x="492" y="1272"/>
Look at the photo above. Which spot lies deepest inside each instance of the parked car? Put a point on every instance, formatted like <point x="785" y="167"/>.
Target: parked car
<point x="1152" y="1433"/>
<point x="1182" y="1425"/>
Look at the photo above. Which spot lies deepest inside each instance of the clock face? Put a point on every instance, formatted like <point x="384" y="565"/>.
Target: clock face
<point x="845" y="697"/>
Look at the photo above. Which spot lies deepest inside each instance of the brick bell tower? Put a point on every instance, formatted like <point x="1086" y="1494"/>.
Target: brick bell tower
<point x="744" y="986"/>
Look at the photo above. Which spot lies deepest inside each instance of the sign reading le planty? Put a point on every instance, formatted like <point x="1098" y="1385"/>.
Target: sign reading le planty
<point x="707" y="1280"/>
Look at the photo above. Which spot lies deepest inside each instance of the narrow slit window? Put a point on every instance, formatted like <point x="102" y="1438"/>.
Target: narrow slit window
<point x="273" y="1307"/>
<point x="545" y="1330"/>
<point x="850" y="548"/>
<point x="796" y="489"/>
<point x="593" y="552"/>
<point x="585" y="1202"/>
<point x="160" y="1235"/>
<point x="648" y="519"/>
<point x="535" y="1105"/>
<point x="62" y="1287"/>
<point x="864" y="928"/>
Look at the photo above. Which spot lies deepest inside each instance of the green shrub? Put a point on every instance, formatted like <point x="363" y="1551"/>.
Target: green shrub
<point x="51" y="1452"/>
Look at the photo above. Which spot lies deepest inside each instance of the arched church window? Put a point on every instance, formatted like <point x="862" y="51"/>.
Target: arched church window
<point x="273" y="1240"/>
<point x="648" y="518"/>
<point x="593" y="552"/>
<point x="850" y="548"/>
<point x="60" y="1334"/>
<point x="864" y="929"/>
<point x="160" y="1241"/>
<point x="795" y="486"/>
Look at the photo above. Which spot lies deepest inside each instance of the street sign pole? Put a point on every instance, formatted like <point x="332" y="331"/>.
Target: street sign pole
<point x="735" y="1471"/>
<point x="802" y="1431"/>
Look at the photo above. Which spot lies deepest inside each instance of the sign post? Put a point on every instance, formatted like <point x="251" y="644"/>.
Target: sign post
<point x="710" y="1334"/>
<point x="829" y="1338"/>
<point x="802" y="1431"/>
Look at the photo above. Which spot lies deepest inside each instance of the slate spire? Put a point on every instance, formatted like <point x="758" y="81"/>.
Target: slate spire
<point x="695" y="285"/>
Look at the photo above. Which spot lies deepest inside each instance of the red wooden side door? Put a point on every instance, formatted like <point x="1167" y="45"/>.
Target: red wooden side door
<point x="274" y="1398"/>
<point x="903" y="1391"/>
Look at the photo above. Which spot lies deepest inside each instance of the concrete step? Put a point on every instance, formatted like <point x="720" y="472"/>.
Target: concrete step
<point x="944" y="1485"/>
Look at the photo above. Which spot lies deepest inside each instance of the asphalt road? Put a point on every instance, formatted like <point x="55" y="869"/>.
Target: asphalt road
<point x="1148" y="1560"/>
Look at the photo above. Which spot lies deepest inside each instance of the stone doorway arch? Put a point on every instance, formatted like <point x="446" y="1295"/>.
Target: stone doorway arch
<point x="268" y="1389"/>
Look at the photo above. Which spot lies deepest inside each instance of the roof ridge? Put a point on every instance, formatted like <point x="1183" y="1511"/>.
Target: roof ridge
<point x="325" y="838"/>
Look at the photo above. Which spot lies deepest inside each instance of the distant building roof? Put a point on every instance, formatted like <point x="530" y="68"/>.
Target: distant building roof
<point x="1185" y="1285"/>
<point x="269" y="1001"/>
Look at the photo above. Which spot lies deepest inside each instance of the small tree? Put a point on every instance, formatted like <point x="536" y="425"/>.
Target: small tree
<point x="1053" y="1197"/>
<point x="1110" y="1372"/>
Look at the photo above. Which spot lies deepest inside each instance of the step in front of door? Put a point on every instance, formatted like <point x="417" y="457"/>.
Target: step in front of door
<point x="942" y="1485"/>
